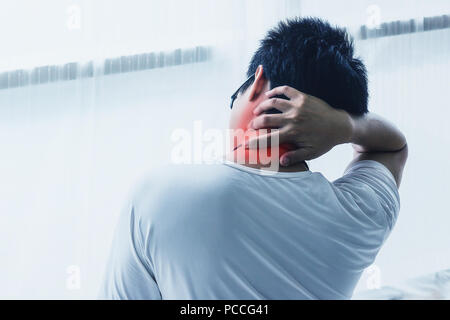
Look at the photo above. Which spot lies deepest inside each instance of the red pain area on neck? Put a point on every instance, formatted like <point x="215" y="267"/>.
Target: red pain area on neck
<point x="241" y="132"/>
<point x="261" y="155"/>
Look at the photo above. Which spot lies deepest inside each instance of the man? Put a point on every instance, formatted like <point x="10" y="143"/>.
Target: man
<point x="232" y="231"/>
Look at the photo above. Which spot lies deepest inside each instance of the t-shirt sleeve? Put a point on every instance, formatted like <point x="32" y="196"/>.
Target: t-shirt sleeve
<point x="368" y="187"/>
<point x="128" y="274"/>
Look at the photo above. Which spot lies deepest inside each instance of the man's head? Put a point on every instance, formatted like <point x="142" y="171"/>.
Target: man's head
<point x="311" y="56"/>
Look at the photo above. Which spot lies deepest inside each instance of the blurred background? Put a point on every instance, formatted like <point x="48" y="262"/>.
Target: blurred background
<point x="91" y="91"/>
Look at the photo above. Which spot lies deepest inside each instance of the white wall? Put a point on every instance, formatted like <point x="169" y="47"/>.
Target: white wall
<point x="359" y="12"/>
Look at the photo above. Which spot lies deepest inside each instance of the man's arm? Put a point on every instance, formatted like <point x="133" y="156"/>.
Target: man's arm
<point x="128" y="276"/>
<point x="314" y="127"/>
<point x="375" y="138"/>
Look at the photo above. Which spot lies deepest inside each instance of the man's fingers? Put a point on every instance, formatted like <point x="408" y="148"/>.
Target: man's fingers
<point x="296" y="156"/>
<point x="268" y="121"/>
<point x="280" y="104"/>
<point x="271" y="139"/>
<point x="284" y="90"/>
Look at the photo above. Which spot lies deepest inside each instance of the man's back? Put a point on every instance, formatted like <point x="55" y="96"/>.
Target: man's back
<point x="227" y="231"/>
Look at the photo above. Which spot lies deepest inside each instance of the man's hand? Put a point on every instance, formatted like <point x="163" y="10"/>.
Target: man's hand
<point x="306" y="122"/>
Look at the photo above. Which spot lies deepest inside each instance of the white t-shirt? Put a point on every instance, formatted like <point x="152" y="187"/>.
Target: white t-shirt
<point x="226" y="231"/>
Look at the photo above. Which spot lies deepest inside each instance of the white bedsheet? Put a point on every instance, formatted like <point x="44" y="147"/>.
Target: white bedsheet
<point x="435" y="286"/>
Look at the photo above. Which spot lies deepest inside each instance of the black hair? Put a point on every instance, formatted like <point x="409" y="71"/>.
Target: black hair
<point x="315" y="58"/>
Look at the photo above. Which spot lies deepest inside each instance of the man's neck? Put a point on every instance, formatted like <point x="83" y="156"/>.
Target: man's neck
<point x="242" y="158"/>
<point x="293" y="168"/>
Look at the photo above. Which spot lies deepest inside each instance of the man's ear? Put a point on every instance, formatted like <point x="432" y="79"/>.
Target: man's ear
<point x="258" y="84"/>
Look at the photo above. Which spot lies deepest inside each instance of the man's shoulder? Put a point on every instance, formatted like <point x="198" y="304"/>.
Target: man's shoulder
<point x="177" y="182"/>
<point x="172" y="196"/>
<point x="184" y="174"/>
